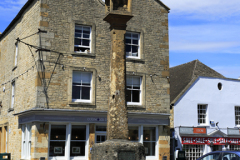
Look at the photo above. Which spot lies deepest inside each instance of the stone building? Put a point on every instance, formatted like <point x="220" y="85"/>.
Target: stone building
<point x="55" y="74"/>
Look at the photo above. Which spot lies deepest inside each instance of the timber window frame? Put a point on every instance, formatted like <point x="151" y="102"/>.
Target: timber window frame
<point x="82" y="103"/>
<point x="132" y="45"/>
<point x="133" y="87"/>
<point x="146" y="134"/>
<point x="82" y="39"/>
<point x="26" y="141"/>
<point x="237" y="115"/>
<point x="73" y="25"/>
<point x="202" y="111"/>
<point x="72" y="141"/>
<point x="13" y="92"/>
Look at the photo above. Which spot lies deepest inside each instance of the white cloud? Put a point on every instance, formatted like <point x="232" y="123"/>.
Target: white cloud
<point x="205" y="38"/>
<point x="204" y="9"/>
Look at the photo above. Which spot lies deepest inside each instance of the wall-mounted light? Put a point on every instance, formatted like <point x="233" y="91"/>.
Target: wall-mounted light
<point x="56" y="136"/>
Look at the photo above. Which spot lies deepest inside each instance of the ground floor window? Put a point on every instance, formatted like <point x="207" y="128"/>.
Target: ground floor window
<point x="69" y="140"/>
<point x="193" y="152"/>
<point x="146" y="135"/>
<point x="235" y="147"/>
<point x="26" y="141"/>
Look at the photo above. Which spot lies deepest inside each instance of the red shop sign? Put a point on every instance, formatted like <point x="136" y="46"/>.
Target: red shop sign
<point x="208" y="140"/>
<point x="199" y="130"/>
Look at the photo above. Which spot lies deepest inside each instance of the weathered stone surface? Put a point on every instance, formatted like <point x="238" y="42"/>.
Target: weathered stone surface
<point x="110" y="150"/>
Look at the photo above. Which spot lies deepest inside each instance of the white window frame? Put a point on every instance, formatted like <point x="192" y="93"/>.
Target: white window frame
<point x="237" y="114"/>
<point x="68" y="142"/>
<point x="90" y="39"/>
<point x="194" y="151"/>
<point x="100" y="133"/>
<point x="136" y="57"/>
<point x="140" y="135"/>
<point x="26" y="141"/>
<point x="140" y="96"/>
<point x="91" y="85"/>
<point x="16" y="53"/>
<point x="206" y="114"/>
<point x="13" y="94"/>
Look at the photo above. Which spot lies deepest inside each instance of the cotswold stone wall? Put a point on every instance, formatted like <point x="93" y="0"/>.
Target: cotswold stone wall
<point x="150" y="20"/>
<point x="25" y="89"/>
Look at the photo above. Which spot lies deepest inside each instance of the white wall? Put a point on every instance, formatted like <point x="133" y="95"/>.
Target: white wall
<point x="221" y="104"/>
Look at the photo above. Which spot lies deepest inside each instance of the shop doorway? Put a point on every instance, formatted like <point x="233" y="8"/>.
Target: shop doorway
<point x="217" y="148"/>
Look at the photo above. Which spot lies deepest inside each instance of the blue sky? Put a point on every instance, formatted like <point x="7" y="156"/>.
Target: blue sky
<point x="207" y="30"/>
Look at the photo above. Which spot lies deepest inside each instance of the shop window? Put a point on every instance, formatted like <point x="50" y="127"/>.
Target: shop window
<point x="61" y="145"/>
<point x="82" y="42"/>
<point x="193" y="152"/>
<point x="202" y="114"/>
<point x="235" y="147"/>
<point x="133" y="91"/>
<point x="237" y="115"/>
<point x="26" y="141"/>
<point x="81" y="86"/>
<point x="149" y="139"/>
<point x="101" y="133"/>
<point x="132" y="45"/>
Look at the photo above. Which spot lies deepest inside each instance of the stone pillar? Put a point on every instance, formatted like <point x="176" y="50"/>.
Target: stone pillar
<point x="117" y="124"/>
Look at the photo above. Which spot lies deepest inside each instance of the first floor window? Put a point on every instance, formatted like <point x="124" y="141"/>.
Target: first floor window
<point x="202" y="114"/>
<point x="26" y="141"/>
<point x="81" y="86"/>
<point x="70" y="138"/>
<point x="133" y="91"/>
<point x="237" y="115"/>
<point x="100" y="133"/>
<point x="193" y="152"/>
<point x="82" y="41"/>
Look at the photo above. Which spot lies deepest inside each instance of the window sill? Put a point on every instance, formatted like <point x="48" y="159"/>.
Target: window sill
<point x="132" y="107"/>
<point x="135" y="60"/>
<point x="83" y="54"/>
<point x="82" y="104"/>
<point x="10" y="109"/>
<point x="14" y="68"/>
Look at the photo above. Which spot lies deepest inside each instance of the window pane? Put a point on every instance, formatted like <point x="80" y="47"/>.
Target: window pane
<point x="212" y="157"/>
<point x="86" y="78"/>
<point x="129" y="81"/>
<point x="127" y="40"/>
<point x="128" y="48"/>
<point x="77" y="149"/>
<point x="86" y="35"/>
<point x="79" y="35"/>
<point x="57" y="149"/>
<point x="128" y="35"/>
<point x="135" y="41"/>
<point x="58" y="132"/>
<point x="76" y="77"/>
<point x="76" y="92"/>
<point x="134" y="49"/>
<point x="136" y="81"/>
<point x="135" y="96"/>
<point x="128" y="95"/>
<point x="86" y="30"/>
<point x="77" y="41"/>
<point x="149" y="134"/>
<point x="85" y="93"/>
<point x="135" y="36"/>
<point x="149" y="148"/>
<point x="85" y="42"/>
<point x="78" y="132"/>
<point x="133" y="133"/>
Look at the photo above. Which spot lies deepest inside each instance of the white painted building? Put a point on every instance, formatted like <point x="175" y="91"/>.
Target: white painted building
<point x="205" y="110"/>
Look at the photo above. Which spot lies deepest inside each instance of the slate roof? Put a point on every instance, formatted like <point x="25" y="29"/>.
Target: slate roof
<point x="183" y="76"/>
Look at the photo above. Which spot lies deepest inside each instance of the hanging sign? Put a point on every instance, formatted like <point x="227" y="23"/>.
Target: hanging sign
<point x="208" y="140"/>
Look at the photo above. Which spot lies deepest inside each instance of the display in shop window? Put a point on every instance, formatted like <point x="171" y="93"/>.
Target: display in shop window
<point x="57" y="150"/>
<point x="76" y="150"/>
